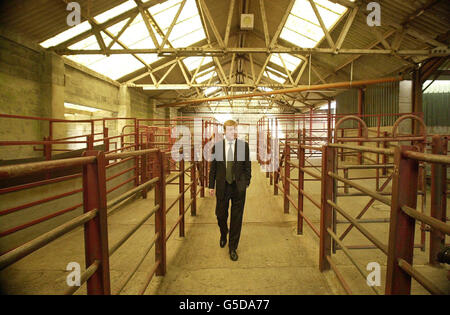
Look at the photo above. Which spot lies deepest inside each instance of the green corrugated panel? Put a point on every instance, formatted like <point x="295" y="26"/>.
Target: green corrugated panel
<point x="382" y="99"/>
<point x="347" y="103"/>
<point x="436" y="109"/>
<point x="379" y="99"/>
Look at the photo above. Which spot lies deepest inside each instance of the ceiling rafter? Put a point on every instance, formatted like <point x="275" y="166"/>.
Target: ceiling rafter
<point x="102" y="26"/>
<point x="175" y="19"/>
<point x="386" y="35"/>
<point x="148" y="21"/>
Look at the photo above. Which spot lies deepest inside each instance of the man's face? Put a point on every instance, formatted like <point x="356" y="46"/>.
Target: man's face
<point x="230" y="132"/>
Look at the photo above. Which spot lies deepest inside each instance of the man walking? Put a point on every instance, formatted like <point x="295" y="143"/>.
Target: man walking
<point x="230" y="175"/>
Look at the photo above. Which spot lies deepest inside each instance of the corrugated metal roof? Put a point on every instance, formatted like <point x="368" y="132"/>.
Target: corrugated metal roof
<point x="42" y="19"/>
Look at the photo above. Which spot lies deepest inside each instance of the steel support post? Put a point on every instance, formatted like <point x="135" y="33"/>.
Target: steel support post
<point x="194" y="184"/>
<point x="326" y="211"/>
<point x="301" y="185"/>
<point x="402" y="226"/>
<point x="160" y="216"/>
<point x="287" y="175"/>
<point x="181" y="192"/>
<point x="144" y="170"/>
<point x="438" y="197"/>
<point x="96" y="230"/>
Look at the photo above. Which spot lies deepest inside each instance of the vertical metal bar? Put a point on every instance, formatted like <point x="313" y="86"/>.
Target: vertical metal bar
<point x="384" y="156"/>
<point x="287" y="175"/>
<point x="144" y="170"/>
<point x="423" y="188"/>
<point x="47" y="155"/>
<point x="136" y="147"/>
<point x="194" y="185"/>
<point x="181" y="191"/>
<point x="301" y="187"/>
<point x="47" y="149"/>
<point x="90" y="142"/>
<point x="326" y="215"/>
<point x="377" y="171"/>
<point x="360" y="113"/>
<point x="105" y="139"/>
<point x="438" y="197"/>
<point x="346" y="177"/>
<point x="96" y="230"/>
<point x="329" y="131"/>
<point x="310" y="127"/>
<point x="160" y="216"/>
<point x="203" y="163"/>
<point x="402" y="226"/>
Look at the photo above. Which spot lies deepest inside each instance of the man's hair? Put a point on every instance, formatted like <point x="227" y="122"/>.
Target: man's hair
<point x="229" y="123"/>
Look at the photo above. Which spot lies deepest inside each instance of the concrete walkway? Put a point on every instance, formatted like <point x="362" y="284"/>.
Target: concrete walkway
<point x="272" y="258"/>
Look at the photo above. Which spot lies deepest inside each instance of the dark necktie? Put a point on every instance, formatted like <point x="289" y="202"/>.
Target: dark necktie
<point x="229" y="173"/>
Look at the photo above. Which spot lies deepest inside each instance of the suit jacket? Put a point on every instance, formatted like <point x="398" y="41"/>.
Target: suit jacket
<point x="242" y="167"/>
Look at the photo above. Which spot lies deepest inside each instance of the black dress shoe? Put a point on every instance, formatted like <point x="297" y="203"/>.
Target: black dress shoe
<point x="223" y="242"/>
<point x="233" y="255"/>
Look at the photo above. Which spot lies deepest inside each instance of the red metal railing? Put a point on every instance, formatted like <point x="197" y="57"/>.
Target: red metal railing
<point x="146" y="167"/>
<point x="97" y="209"/>
<point x="327" y="174"/>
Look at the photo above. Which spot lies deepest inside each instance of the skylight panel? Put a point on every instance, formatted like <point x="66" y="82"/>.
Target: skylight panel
<point x="277" y="72"/>
<point x="211" y="90"/>
<point x="86" y="60"/>
<point x="297" y="39"/>
<point x="302" y="27"/>
<point x="275" y="75"/>
<point x="70" y="33"/>
<point x="205" y="77"/>
<point x="191" y="25"/>
<point x="303" y="9"/>
<point x="88" y="43"/>
<point x="116" y="28"/>
<point x="188" y="28"/>
<point x="328" y="17"/>
<point x="105" y="16"/>
<point x="164" y="19"/>
<point x="161" y="7"/>
<point x="192" y="63"/>
<point x="149" y="58"/>
<point x="290" y="61"/>
<point x="135" y="33"/>
<point x="116" y="66"/>
<point x="189" y="10"/>
<point x="189" y="39"/>
<point x="335" y="7"/>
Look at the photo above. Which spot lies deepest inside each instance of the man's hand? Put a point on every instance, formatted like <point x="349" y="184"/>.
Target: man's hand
<point x="212" y="192"/>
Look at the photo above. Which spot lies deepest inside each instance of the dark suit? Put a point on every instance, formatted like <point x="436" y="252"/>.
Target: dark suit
<point x="235" y="192"/>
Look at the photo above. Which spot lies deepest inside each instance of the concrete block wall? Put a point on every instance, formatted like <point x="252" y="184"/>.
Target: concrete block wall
<point x="34" y="82"/>
<point x="20" y="94"/>
<point x="87" y="90"/>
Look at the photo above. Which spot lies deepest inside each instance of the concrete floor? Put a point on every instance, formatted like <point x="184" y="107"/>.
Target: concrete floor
<point x="273" y="259"/>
